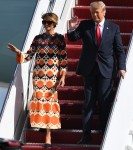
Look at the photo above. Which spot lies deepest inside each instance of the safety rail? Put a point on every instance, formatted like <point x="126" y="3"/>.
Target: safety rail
<point x="120" y="124"/>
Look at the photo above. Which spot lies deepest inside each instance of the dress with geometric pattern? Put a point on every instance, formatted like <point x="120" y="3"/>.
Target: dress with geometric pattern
<point x="50" y="65"/>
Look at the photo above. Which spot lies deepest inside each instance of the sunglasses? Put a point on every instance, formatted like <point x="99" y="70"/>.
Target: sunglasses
<point x="47" y="22"/>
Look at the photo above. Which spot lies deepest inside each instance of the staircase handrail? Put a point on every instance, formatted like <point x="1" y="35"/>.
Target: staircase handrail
<point x="103" y="145"/>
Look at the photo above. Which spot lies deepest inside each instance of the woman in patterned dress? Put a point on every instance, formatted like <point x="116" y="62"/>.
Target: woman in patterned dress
<point x="49" y="72"/>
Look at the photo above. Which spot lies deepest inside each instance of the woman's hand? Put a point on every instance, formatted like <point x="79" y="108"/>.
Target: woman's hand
<point x="62" y="81"/>
<point x="13" y="48"/>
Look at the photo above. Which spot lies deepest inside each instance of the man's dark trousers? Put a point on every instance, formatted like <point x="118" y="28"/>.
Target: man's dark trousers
<point x="98" y="88"/>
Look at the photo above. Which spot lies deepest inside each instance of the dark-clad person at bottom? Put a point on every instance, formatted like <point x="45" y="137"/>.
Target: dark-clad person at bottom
<point x="49" y="72"/>
<point x="102" y="48"/>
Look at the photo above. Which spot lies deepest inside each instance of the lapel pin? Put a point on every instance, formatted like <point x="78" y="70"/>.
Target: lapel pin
<point x="107" y="28"/>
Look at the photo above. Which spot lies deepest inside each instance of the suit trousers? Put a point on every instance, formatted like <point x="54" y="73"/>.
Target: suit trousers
<point x="96" y="88"/>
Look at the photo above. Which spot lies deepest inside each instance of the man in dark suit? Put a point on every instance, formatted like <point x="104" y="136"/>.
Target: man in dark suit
<point x="102" y="57"/>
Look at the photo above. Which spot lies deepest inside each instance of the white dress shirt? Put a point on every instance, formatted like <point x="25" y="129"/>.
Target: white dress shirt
<point x="101" y="26"/>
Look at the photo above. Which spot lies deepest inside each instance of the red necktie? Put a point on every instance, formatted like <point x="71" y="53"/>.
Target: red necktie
<point x="98" y="34"/>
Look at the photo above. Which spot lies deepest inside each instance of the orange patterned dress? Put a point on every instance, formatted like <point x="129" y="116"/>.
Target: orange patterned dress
<point x="50" y="65"/>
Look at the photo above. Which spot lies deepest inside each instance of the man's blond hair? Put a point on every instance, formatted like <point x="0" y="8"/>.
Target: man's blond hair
<point x="97" y="4"/>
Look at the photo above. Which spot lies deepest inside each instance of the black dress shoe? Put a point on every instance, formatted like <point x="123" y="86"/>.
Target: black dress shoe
<point x="85" y="139"/>
<point x="46" y="145"/>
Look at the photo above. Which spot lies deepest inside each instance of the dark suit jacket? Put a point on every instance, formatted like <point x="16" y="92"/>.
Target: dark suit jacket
<point x="109" y="52"/>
